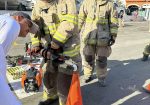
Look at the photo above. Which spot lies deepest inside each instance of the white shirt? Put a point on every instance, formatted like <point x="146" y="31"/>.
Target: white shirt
<point x="9" y="30"/>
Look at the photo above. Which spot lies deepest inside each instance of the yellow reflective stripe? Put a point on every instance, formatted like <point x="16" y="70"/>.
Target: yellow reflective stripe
<point x="59" y="37"/>
<point x="98" y="20"/>
<point x="114" y="30"/>
<point x="52" y="29"/>
<point x="72" y="52"/>
<point x="71" y="21"/>
<point x="69" y="18"/>
<point x="35" y="42"/>
<point x="89" y="20"/>
<point x="46" y="96"/>
<point x="114" y="20"/>
<point x="34" y="39"/>
<point x="46" y="30"/>
<point x="103" y="20"/>
<point x="60" y="102"/>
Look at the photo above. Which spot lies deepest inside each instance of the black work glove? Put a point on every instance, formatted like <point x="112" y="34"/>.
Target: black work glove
<point x="46" y="54"/>
<point x="111" y="41"/>
<point x="40" y="34"/>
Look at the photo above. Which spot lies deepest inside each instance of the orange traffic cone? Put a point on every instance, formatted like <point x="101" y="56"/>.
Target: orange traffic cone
<point x="146" y="86"/>
<point x="74" y="96"/>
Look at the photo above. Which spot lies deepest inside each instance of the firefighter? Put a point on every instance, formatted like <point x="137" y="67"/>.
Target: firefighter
<point x="146" y="53"/>
<point x="57" y="20"/>
<point x="99" y="24"/>
<point x="120" y="18"/>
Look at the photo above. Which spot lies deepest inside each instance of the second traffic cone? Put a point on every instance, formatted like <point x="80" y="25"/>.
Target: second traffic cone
<point x="146" y="86"/>
<point x="74" y="96"/>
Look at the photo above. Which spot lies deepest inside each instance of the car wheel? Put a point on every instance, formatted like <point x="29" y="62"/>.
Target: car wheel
<point x="21" y="7"/>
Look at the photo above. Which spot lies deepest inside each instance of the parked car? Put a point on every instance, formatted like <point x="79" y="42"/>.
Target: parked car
<point x="21" y="5"/>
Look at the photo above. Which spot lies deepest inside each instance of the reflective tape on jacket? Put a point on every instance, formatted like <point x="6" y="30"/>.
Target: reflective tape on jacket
<point x="46" y="30"/>
<point x="102" y="21"/>
<point x="73" y="51"/>
<point x="89" y="20"/>
<point x="52" y="28"/>
<point x="97" y="20"/>
<point x="47" y="96"/>
<point x="114" y="30"/>
<point x="35" y="41"/>
<point x="114" y="20"/>
<point x="69" y="18"/>
<point x="59" y="37"/>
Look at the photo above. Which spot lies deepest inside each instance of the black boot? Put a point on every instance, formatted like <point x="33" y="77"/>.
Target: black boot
<point x="48" y="101"/>
<point x="145" y="57"/>
<point x="102" y="82"/>
<point x="88" y="79"/>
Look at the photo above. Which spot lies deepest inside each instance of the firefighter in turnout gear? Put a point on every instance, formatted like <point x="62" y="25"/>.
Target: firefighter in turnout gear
<point x="146" y="53"/>
<point x="98" y="24"/>
<point x="57" y="20"/>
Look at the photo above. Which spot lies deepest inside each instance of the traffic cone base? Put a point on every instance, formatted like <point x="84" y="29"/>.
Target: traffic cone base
<point x="74" y="96"/>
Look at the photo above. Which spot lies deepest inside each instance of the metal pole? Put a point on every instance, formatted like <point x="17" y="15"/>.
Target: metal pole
<point x="6" y="5"/>
<point x="149" y="18"/>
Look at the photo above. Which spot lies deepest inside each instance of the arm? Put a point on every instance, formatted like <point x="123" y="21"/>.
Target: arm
<point x="113" y="21"/>
<point x="68" y="23"/>
<point x="82" y="16"/>
<point x="35" y="37"/>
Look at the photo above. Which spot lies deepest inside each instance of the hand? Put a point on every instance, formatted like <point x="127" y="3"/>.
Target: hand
<point x="48" y="55"/>
<point x="54" y="45"/>
<point x="35" y="49"/>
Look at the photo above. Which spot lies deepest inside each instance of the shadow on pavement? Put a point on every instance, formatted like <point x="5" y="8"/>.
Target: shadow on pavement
<point x="124" y="85"/>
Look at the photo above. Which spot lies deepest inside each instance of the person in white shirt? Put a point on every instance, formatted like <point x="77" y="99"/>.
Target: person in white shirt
<point x="17" y="24"/>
